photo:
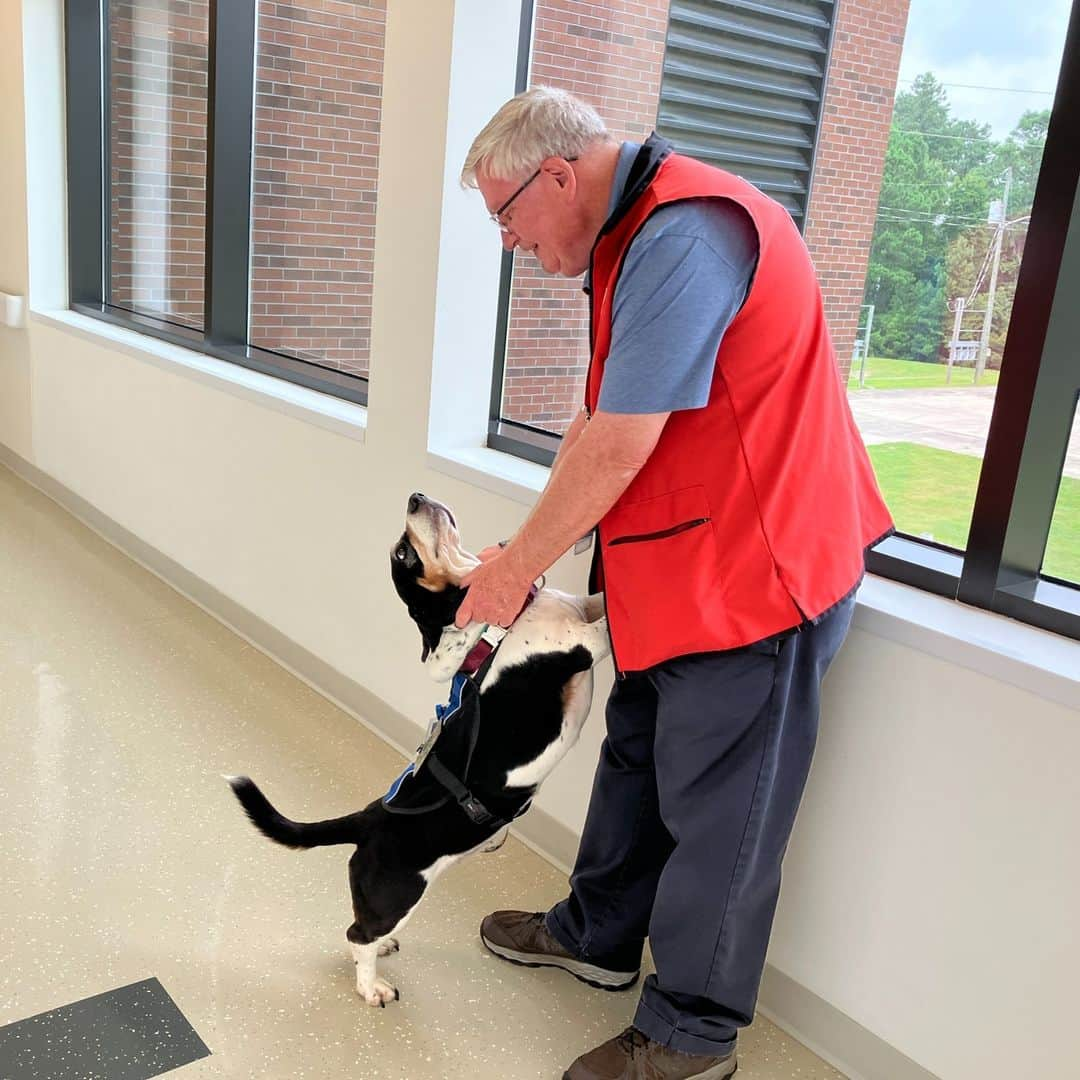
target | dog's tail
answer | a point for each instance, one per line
(292, 834)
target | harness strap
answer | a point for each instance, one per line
(477, 812)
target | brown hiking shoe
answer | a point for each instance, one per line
(634, 1056)
(522, 938)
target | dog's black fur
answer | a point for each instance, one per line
(522, 713)
(519, 716)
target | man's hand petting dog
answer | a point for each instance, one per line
(497, 589)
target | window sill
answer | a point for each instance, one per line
(492, 470)
(1001, 648)
(325, 411)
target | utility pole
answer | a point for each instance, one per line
(988, 316)
(954, 344)
(866, 344)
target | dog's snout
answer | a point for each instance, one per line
(415, 500)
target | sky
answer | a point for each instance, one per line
(1011, 45)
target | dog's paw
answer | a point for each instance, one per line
(378, 993)
(388, 945)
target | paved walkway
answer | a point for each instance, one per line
(948, 418)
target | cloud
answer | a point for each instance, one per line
(1011, 45)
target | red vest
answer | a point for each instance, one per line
(752, 515)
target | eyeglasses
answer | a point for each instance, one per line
(497, 216)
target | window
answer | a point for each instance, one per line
(949, 236)
(964, 385)
(222, 177)
(157, 158)
(738, 85)
(611, 55)
(317, 106)
(941, 190)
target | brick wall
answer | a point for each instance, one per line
(157, 142)
(612, 56)
(865, 61)
(319, 76)
(317, 114)
(318, 107)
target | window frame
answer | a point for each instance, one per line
(230, 112)
(1019, 480)
(522, 440)
(1000, 568)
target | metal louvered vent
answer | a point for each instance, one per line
(743, 86)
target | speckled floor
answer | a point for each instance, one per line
(125, 857)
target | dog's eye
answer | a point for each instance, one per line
(401, 553)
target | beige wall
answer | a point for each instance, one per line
(14, 274)
(933, 882)
(931, 890)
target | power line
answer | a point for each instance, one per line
(987, 259)
(927, 221)
(936, 135)
(966, 138)
(918, 217)
(927, 213)
(949, 184)
(1002, 89)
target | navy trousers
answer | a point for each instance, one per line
(695, 795)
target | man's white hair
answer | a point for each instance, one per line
(540, 123)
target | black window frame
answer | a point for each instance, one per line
(522, 440)
(1037, 397)
(1036, 400)
(230, 111)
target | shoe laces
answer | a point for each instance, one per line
(632, 1040)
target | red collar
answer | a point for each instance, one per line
(485, 647)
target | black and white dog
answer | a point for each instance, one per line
(487, 753)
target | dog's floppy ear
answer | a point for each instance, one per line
(438, 612)
(429, 634)
(432, 611)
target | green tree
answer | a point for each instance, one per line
(968, 252)
(1022, 152)
(936, 184)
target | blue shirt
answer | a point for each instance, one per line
(685, 277)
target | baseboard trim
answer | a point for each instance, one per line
(823, 1028)
(831, 1034)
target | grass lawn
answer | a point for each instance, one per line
(931, 493)
(885, 374)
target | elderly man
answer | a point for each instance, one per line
(733, 501)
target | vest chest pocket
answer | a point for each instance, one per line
(659, 518)
(663, 534)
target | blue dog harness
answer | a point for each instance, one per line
(446, 754)
(442, 713)
(454, 728)
(447, 750)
